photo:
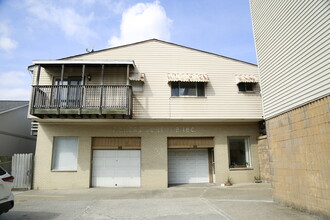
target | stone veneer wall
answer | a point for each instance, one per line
(299, 143)
(263, 152)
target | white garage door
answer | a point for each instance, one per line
(188, 166)
(116, 168)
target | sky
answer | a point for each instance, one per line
(53, 29)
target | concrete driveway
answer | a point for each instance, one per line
(204, 201)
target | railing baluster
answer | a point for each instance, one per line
(116, 97)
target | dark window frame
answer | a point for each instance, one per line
(179, 90)
(246, 87)
(70, 95)
(237, 160)
(70, 80)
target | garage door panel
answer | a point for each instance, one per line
(116, 168)
(104, 162)
(134, 154)
(104, 182)
(131, 162)
(188, 166)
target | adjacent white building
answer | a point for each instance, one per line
(293, 44)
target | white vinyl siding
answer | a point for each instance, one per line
(292, 41)
(65, 153)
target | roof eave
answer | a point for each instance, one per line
(161, 41)
(54, 62)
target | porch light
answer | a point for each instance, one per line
(89, 77)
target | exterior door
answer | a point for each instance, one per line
(69, 94)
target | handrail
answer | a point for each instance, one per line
(111, 97)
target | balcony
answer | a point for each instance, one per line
(82, 101)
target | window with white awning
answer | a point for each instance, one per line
(246, 83)
(187, 84)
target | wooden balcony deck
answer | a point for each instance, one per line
(81, 100)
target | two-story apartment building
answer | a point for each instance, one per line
(147, 114)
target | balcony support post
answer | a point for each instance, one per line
(58, 92)
(102, 83)
(127, 80)
(127, 90)
(62, 74)
(38, 75)
(34, 91)
(82, 88)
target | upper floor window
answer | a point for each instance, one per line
(246, 87)
(247, 83)
(188, 89)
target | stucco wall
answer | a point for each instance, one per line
(153, 150)
(300, 150)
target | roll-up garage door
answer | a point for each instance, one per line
(116, 162)
(189, 160)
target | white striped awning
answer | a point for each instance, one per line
(247, 79)
(187, 77)
(137, 77)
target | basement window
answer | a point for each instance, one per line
(239, 152)
(65, 154)
(188, 89)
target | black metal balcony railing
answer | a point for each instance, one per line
(78, 99)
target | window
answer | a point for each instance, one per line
(239, 152)
(137, 86)
(245, 87)
(188, 89)
(65, 153)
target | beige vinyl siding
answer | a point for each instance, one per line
(292, 41)
(156, 59)
(45, 78)
(112, 75)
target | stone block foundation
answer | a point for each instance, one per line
(299, 143)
